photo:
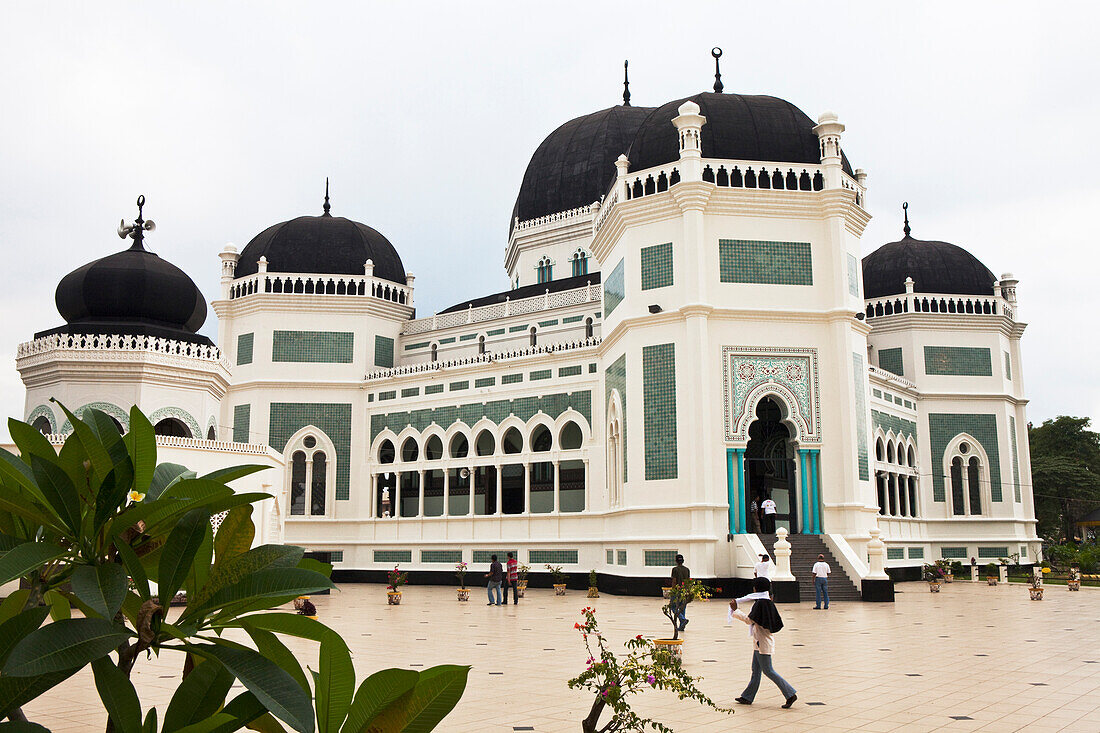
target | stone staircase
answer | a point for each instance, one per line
(804, 551)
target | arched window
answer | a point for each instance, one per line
(317, 495)
(889, 452)
(545, 270)
(173, 427)
(410, 451)
(386, 452)
(588, 328)
(512, 442)
(880, 451)
(42, 425)
(534, 337)
(571, 436)
(968, 479)
(481, 344)
(542, 439)
(901, 454)
(580, 263)
(211, 434)
(433, 449)
(912, 458)
(460, 446)
(435, 352)
(974, 475)
(958, 495)
(486, 443)
(298, 483)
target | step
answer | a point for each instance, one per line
(804, 552)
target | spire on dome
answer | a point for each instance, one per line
(136, 231)
(717, 54)
(905, 210)
(626, 83)
(326, 207)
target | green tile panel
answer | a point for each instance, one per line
(495, 410)
(889, 422)
(897, 400)
(410, 391)
(1015, 459)
(468, 337)
(916, 553)
(417, 345)
(953, 553)
(485, 556)
(511, 379)
(861, 417)
(539, 374)
(659, 411)
(1008, 366)
(485, 382)
(547, 324)
(455, 386)
(895, 553)
(854, 277)
(321, 347)
(334, 419)
(908, 405)
(943, 428)
(621, 557)
(887, 396)
(657, 266)
(765, 263)
(572, 319)
(614, 288)
(336, 556)
(383, 351)
(451, 557)
(517, 329)
(244, 348)
(615, 379)
(958, 361)
(433, 388)
(387, 395)
(569, 371)
(241, 423)
(495, 332)
(393, 556)
(994, 553)
(660, 558)
(448, 340)
(553, 557)
(592, 368)
(890, 360)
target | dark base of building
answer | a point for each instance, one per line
(785, 591)
(878, 591)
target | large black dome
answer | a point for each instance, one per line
(131, 292)
(936, 267)
(575, 164)
(322, 244)
(738, 127)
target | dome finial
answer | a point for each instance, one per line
(327, 207)
(626, 83)
(905, 210)
(717, 54)
(136, 231)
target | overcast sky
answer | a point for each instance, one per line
(228, 117)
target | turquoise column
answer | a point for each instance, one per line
(815, 491)
(804, 525)
(731, 491)
(742, 522)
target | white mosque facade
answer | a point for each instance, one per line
(689, 327)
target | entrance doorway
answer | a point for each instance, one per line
(769, 466)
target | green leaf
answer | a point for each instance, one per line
(18, 626)
(63, 645)
(436, 693)
(20, 726)
(97, 454)
(272, 686)
(114, 491)
(218, 722)
(335, 683)
(72, 458)
(309, 563)
(235, 534)
(141, 444)
(58, 605)
(291, 624)
(377, 693)
(18, 691)
(179, 552)
(19, 472)
(34, 513)
(107, 432)
(225, 475)
(134, 568)
(150, 722)
(199, 696)
(25, 558)
(267, 584)
(59, 491)
(102, 587)
(164, 476)
(14, 604)
(258, 558)
(118, 696)
(200, 566)
(271, 647)
(30, 442)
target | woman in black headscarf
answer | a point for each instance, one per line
(763, 621)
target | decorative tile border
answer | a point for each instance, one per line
(751, 372)
(179, 414)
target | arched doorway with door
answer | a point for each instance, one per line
(770, 467)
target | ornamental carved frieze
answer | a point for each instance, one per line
(750, 373)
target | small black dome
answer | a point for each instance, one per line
(323, 245)
(131, 292)
(936, 267)
(738, 127)
(575, 164)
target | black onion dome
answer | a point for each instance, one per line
(575, 164)
(131, 292)
(322, 245)
(738, 127)
(936, 267)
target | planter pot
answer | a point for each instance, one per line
(559, 589)
(991, 581)
(673, 647)
(1036, 593)
(934, 587)
(463, 594)
(521, 588)
(665, 592)
(1002, 570)
(393, 597)
(1073, 585)
(593, 592)
(949, 578)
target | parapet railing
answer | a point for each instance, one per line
(78, 342)
(577, 213)
(320, 284)
(486, 358)
(172, 441)
(890, 376)
(941, 304)
(590, 293)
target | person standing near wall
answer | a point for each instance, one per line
(680, 574)
(495, 576)
(513, 580)
(821, 572)
(769, 508)
(764, 568)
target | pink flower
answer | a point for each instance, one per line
(651, 680)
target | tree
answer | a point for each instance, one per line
(1065, 473)
(94, 527)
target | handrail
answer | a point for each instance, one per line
(590, 293)
(174, 441)
(280, 283)
(436, 366)
(120, 342)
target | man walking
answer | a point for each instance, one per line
(764, 568)
(769, 508)
(821, 572)
(495, 576)
(513, 580)
(680, 574)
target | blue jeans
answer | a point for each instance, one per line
(763, 663)
(821, 588)
(679, 610)
(494, 585)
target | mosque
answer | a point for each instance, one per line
(690, 327)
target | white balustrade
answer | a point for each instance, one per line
(433, 366)
(274, 283)
(78, 342)
(579, 212)
(172, 441)
(939, 304)
(591, 293)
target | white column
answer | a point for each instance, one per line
(500, 490)
(447, 492)
(876, 554)
(584, 500)
(557, 486)
(373, 492)
(309, 488)
(420, 494)
(527, 487)
(965, 473)
(782, 556)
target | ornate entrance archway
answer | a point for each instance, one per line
(770, 470)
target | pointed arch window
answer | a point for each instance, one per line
(579, 262)
(545, 270)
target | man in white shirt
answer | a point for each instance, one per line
(769, 515)
(821, 572)
(764, 568)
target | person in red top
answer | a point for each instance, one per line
(512, 581)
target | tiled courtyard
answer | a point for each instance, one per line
(970, 658)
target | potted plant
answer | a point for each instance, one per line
(665, 591)
(613, 681)
(393, 590)
(460, 573)
(946, 571)
(521, 584)
(991, 573)
(680, 595)
(1035, 585)
(593, 590)
(1073, 580)
(559, 579)
(933, 575)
